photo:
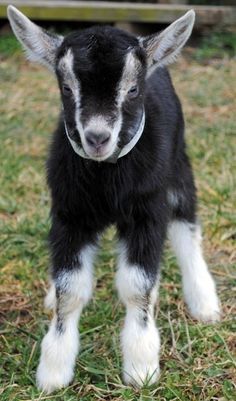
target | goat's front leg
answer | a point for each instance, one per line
(71, 289)
(137, 284)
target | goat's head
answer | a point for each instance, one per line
(101, 73)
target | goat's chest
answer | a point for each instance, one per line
(105, 191)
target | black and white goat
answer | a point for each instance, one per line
(117, 157)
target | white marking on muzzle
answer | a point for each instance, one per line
(124, 151)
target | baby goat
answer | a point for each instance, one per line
(117, 157)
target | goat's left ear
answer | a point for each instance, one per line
(163, 48)
(40, 45)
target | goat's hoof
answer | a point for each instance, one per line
(141, 376)
(49, 380)
(206, 312)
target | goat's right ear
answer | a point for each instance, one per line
(40, 45)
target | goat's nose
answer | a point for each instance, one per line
(97, 140)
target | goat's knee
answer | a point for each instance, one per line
(140, 337)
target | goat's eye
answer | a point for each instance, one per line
(66, 90)
(133, 92)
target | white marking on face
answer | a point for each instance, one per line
(65, 65)
(129, 77)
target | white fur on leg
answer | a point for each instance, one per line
(58, 355)
(139, 338)
(61, 344)
(140, 347)
(50, 299)
(198, 285)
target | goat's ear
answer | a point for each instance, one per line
(163, 48)
(40, 46)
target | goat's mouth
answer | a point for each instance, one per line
(100, 154)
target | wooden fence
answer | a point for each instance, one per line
(104, 11)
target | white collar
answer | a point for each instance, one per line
(126, 149)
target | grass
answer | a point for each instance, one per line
(197, 360)
(218, 44)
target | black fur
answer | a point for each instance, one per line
(88, 196)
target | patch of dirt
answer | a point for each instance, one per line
(13, 301)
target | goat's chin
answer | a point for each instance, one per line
(100, 156)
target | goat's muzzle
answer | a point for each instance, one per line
(97, 142)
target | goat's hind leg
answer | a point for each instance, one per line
(185, 236)
(71, 289)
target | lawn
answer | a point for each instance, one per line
(197, 360)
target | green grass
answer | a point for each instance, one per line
(197, 360)
(9, 45)
(216, 45)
